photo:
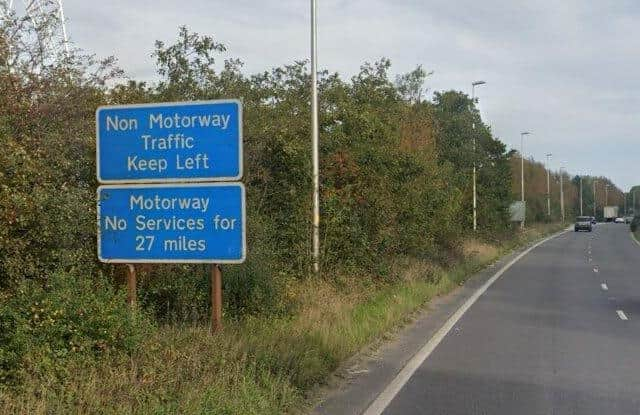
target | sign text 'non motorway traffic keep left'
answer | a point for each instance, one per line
(169, 142)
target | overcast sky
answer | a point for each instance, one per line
(567, 70)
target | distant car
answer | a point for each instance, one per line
(628, 219)
(583, 223)
(619, 220)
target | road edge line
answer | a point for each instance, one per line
(386, 396)
(633, 236)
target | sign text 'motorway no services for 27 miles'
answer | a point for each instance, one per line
(144, 214)
(199, 222)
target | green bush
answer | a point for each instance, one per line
(635, 224)
(69, 316)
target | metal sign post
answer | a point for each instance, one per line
(131, 286)
(216, 298)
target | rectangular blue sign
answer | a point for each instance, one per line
(169, 142)
(172, 223)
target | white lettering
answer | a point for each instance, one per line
(117, 124)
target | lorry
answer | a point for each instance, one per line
(610, 213)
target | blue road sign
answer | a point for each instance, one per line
(172, 223)
(169, 142)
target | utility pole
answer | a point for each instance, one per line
(580, 195)
(561, 194)
(548, 186)
(594, 198)
(473, 127)
(315, 139)
(522, 134)
(606, 195)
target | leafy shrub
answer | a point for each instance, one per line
(635, 224)
(70, 316)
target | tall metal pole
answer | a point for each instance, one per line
(580, 195)
(64, 29)
(595, 201)
(315, 139)
(634, 203)
(473, 127)
(561, 194)
(522, 134)
(548, 186)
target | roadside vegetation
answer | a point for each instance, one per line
(396, 197)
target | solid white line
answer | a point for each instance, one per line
(604, 286)
(622, 315)
(633, 236)
(392, 389)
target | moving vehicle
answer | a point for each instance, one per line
(610, 213)
(618, 220)
(583, 223)
(628, 219)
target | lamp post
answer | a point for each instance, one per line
(522, 134)
(473, 127)
(561, 194)
(548, 186)
(595, 202)
(580, 195)
(315, 139)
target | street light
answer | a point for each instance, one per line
(561, 194)
(522, 134)
(595, 202)
(473, 126)
(315, 139)
(548, 186)
(580, 195)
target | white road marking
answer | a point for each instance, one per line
(386, 396)
(622, 315)
(604, 287)
(634, 238)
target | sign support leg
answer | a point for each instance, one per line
(131, 285)
(216, 298)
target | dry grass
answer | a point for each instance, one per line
(482, 251)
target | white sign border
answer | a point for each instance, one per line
(175, 261)
(173, 180)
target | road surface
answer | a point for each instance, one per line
(558, 333)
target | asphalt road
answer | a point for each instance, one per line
(549, 337)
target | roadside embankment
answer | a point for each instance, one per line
(257, 365)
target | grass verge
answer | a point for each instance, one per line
(257, 366)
